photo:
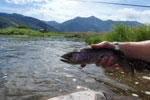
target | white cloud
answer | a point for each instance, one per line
(55, 10)
(62, 10)
(129, 14)
(23, 1)
(8, 1)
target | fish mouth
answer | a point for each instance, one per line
(65, 60)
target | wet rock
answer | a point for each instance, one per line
(82, 95)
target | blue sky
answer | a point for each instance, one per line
(62, 10)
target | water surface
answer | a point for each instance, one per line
(30, 69)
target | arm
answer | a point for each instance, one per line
(137, 50)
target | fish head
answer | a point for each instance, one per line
(74, 58)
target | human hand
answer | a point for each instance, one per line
(107, 62)
(104, 44)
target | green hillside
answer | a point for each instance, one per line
(15, 20)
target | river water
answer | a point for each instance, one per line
(30, 69)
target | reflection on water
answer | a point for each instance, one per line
(30, 69)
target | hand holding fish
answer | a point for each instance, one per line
(106, 61)
(107, 57)
(130, 56)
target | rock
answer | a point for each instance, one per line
(82, 95)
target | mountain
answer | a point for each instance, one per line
(89, 24)
(15, 20)
(52, 23)
(78, 24)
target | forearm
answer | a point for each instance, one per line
(138, 50)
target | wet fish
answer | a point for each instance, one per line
(92, 56)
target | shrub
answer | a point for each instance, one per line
(22, 27)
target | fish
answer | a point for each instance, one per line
(93, 55)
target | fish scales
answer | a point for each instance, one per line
(92, 56)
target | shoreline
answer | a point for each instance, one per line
(120, 33)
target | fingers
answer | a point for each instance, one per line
(115, 65)
(103, 61)
(105, 44)
(107, 62)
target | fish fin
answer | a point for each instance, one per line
(83, 65)
(132, 71)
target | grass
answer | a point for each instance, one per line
(123, 33)
(26, 32)
(120, 33)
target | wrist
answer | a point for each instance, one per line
(116, 46)
(124, 47)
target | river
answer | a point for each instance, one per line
(30, 69)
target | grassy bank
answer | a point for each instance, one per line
(118, 33)
(26, 32)
(123, 33)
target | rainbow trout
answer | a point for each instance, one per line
(93, 56)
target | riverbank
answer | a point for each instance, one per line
(118, 33)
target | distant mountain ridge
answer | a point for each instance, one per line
(89, 24)
(78, 24)
(15, 20)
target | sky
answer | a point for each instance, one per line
(62, 10)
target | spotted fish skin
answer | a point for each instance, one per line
(92, 56)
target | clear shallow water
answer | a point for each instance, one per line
(30, 69)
